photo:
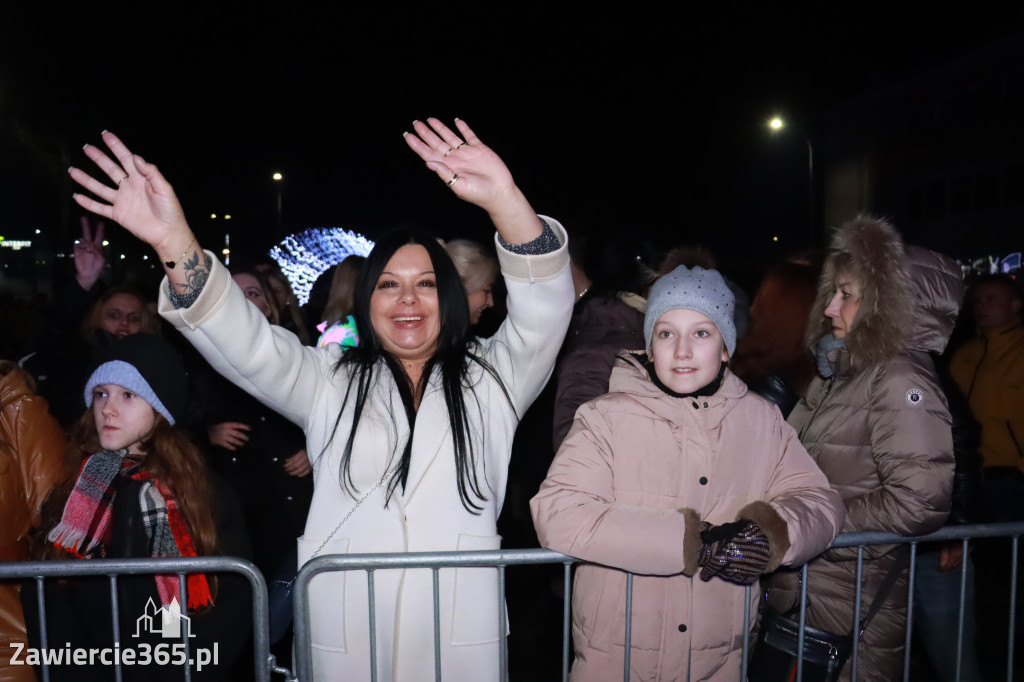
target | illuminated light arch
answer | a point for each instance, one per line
(305, 255)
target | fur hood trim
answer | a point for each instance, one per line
(872, 251)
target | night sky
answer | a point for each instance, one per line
(637, 117)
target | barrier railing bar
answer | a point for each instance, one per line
(44, 640)
(566, 619)
(910, 613)
(115, 618)
(437, 625)
(502, 634)
(856, 613)
(746, 631)
(183, 604)
(629, 626)
(372, 601)
(964, 560)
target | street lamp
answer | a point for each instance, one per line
(776, 124)
(277, 180)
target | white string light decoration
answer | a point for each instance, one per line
(306, 255)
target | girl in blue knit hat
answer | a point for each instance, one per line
(144, 491)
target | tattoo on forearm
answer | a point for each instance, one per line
(196, 274)
(183, 295)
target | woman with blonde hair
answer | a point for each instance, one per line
(478, 269)
(877, 423)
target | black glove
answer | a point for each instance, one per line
(737, 552)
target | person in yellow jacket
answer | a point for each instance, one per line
(990, 371)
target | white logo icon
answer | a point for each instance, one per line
(165, 621)
(915, 397)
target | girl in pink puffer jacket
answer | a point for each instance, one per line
(678, 470)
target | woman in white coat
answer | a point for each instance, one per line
(410, 433)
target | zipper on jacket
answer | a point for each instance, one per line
(828, 389)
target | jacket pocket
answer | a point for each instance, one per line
(475, 601)
(326, 597)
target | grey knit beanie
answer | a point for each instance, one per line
(693, 289)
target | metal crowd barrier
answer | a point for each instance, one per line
(114, 568)
(501, 559)
(265, 663)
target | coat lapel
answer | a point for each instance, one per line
(433, 433)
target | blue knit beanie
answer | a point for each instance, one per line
(148, 366)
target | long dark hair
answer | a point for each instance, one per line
(453, 358)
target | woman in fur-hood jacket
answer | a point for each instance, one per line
(877, 423)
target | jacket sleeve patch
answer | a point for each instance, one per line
(915, 397)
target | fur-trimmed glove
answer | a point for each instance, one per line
(737, 552)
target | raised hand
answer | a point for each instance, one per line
(140, 200)
(475, 173)
(89, 259)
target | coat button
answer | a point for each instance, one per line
(703, 480)
(682, 627)
(273, 459)
(695, 405)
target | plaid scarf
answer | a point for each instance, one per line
(86, 527)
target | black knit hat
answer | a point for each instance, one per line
(150, 367)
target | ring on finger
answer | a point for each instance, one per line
(122, 180)
(454, 178)
(461, 145)
(450, 150)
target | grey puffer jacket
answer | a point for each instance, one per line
(879, 428)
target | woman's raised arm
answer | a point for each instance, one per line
(144, 203)
(476, 174)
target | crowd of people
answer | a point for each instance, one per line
(630, 407)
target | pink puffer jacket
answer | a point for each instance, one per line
(629, 488)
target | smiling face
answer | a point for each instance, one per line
(479, 301)
(687, 350)
(123, 418)
(842, 308)
(122, 315)
(404, 309)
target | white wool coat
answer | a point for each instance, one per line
(427, 516)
